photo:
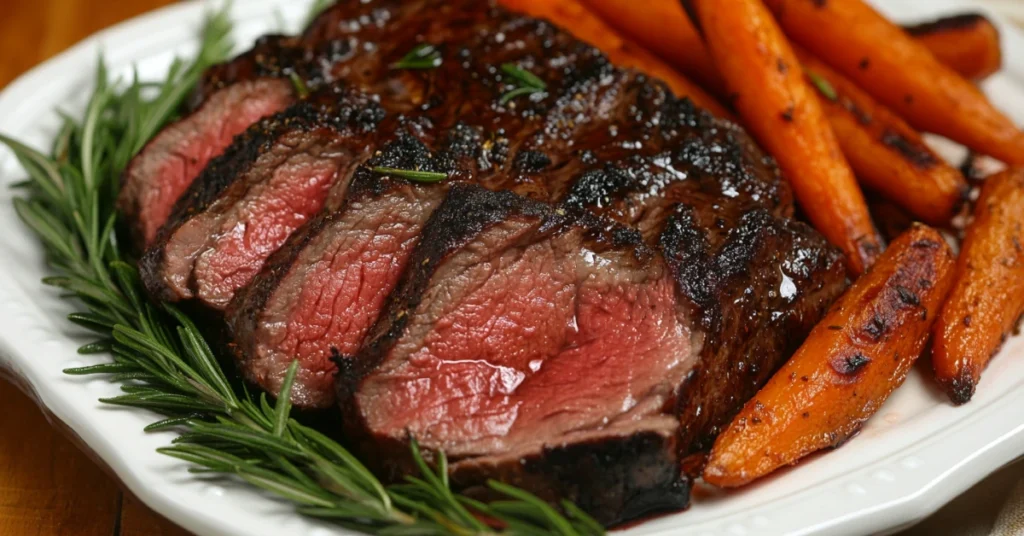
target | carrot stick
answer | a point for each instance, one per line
(884, 151)
(662, 27)
(900, 72)
(848, 366)
(585, 26)
(988, 297)
(968, 43)
(783, 112)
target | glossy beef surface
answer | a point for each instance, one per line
(276, 176)
(322, 295)
(521, 327)
(604, 277)
(167, 165)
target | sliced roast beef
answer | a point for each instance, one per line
(319, 294)
(582, 343)
(304, 305)
(518, 334)
(166, 166)
(247, 202)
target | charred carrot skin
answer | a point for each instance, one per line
(783, 112)
(967, 43)
(900, 72)
(988, 297)
(886, 153)
(575, 18)
(848, 366)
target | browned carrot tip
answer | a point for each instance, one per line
(988, 297)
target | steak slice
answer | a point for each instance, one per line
(323, 291)
(319, 294)
(167, 165)
(520, 341)
(247, 202)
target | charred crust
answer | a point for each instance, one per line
(531, 161)
(876, 327)
(964, 21)
(907, 296)
(686, 246)
(961, 388)
(850, 365)
(862, 116)
(915, 153)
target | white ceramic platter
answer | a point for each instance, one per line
(915, 455)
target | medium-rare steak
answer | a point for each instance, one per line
(520, 333)
(234, 95)
(319, 294)
(166, 166)
(247, 202)
(610, 275)
(323, 291)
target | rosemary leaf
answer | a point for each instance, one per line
(299, 85)
(414, 175)
(823, 86)
(527, 83)
(422, 56)
(284, 400)
(526, 78)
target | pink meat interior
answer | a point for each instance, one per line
(172, 160)
(334, 293)
(530, 344)
(221, 249)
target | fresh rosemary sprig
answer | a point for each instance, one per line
(528, 83)
(422, 56)
(414, 175)
(163, 363)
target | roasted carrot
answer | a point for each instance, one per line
(988, 297)
(968, 43)
(848, 366)
(587, 27)
(900, 72)
(662, 27)
(783, 112)
(884, 151)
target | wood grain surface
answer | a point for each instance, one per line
(48, 487)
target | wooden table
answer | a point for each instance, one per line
(47, 485)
